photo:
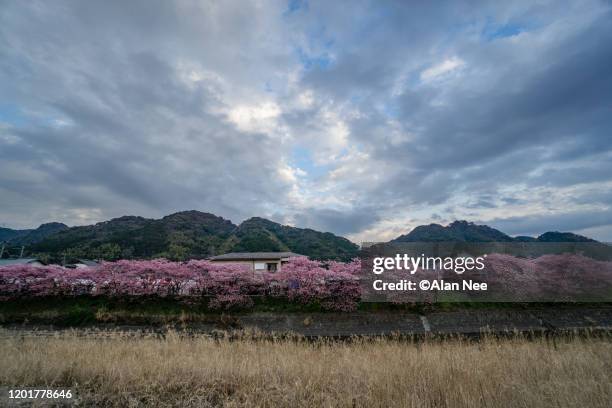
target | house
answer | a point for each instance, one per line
(259, 261)
(82, 263)
(22, 261)
(87, 263)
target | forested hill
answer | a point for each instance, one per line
(195, 234)
(464, 231)
(188, 234)
(30, 236)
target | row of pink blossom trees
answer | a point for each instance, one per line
(332, 285)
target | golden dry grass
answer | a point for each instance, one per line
(199, 371)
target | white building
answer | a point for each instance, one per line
(259, 261)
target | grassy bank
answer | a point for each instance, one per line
(84, 311)
(198, 371)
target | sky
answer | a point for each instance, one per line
(362, 118)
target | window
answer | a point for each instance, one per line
(260, 266)
(271, 267)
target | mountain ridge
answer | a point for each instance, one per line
(29, 236)
(465, 231)
(197, 234)
(188, 234)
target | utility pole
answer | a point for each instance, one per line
(21, 254)
(2, 250)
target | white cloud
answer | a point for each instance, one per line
(441, 69)
(259, 117)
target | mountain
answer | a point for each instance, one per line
(195, 234)
(7, 234)
(259, 234)
(30, 236)
(177, 236)
(524, 238)
(464, 231)
(563, 237)
(40, 233)
(189, 234)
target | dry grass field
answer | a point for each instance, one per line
(200, 371)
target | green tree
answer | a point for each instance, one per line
(177, 252)
(109, 251)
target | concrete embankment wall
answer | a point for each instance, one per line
(386, 323)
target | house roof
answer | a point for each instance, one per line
(246, 256)
(87, 262)
(18, 261)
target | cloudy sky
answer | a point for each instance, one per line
(361, 118)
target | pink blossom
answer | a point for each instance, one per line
(334, 285)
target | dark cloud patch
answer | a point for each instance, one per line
(114, 128)
(510, 119)
(340, 222)
(446, 111)
(537, 224)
